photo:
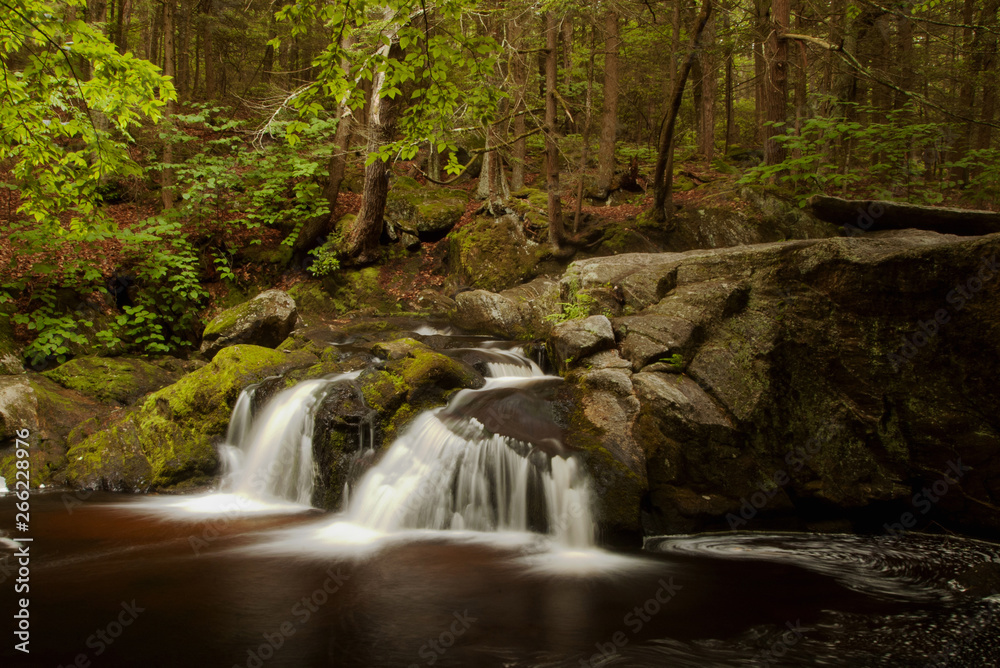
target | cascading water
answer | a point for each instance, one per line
(275, 460)
(447, 471)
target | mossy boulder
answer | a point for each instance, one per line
(119, 380)
(423, 211)
(493, 253)
(311, 301)
(265, 320)
(359, 290)
(168, 440)
(53, 416)
(531, 204)
(414, 374)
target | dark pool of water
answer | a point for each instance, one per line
(114, 587)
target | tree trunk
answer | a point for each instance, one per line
(208, 48)
(267, 66)
(362, 241)
(567, 52)
(776, 82)
(707, 85)
(586, 130)
(167, 173)
(609, 111)
(520, 72)
(663, 177)
(729, 86)
(316, 228)
(183, 64)
(551, 150)
(493, 185)
(119, 35)
(984, 137)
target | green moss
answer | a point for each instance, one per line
(416, 208)
(120, 380)
(402, 417)
(493, 254)
(357, 290)
(383, 391)
(169, 438)
(311, 299)
(280, 255)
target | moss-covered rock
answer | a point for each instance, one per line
(169, 439)
(371, 411)
(359, 290)
(311, 301)
(493, 254)
(423, 211)
(111, 379)
(265, 320)
(416, 375)
(51, 414)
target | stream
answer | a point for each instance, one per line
(462, 545)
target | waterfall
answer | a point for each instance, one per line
(447, 471)
(270, 457)
(3, 485)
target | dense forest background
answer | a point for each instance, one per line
(161, 158)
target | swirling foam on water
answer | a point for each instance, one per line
(905, 567)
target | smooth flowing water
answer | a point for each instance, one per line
(470, 542)
(209, 593)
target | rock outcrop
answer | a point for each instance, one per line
(55, 417)
(803, 384)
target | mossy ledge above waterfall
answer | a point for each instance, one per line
(169, 439)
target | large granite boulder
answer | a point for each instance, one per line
(805, 384)
(266, 320)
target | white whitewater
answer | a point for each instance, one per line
(277, 452)
(267, 459)
(458, 476)
(3, 485)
